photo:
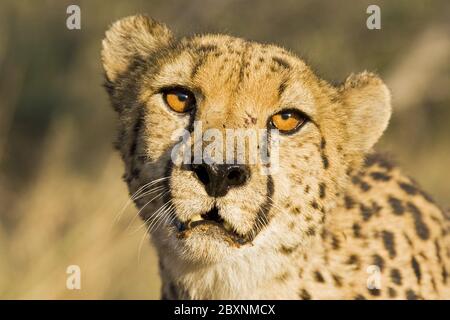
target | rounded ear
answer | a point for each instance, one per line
(129, 38)
(367, 106)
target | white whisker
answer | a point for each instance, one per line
(160, 195)
(134, 196)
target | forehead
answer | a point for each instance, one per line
(231, 71)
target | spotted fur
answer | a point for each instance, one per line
(333, 209)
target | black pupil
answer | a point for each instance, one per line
(285, 116)
(182, 96)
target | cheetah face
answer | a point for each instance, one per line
(175, 97)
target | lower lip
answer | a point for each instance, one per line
(182, 230)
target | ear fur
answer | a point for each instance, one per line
(367, 103)
(130, 37)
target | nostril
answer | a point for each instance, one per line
(202, 173)
(236, 176)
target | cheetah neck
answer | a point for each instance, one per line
(256, 274)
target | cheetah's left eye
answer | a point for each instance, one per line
(288, 121)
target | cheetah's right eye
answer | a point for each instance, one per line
(179, 99)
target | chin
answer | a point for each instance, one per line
(204, 238)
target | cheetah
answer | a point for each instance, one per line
(335, 221)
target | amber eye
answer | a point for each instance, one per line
(179, 100)
(288, 121)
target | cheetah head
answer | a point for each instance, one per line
(166, 90)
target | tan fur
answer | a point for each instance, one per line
(334, 207)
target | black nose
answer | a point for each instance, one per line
(218, 179)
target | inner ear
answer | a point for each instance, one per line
(367, 106)
(130, 37)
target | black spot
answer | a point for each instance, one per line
(375, 158)
(323, 143)
(207, 48)
(360, 297)
(392, 293)
(318, 276)
(408, 239)
(438, 251)
(311, 231)
(335, 243)
(282, 87)
(307, 189)
(296, 210)
(349, 202)
(396, 205)
(376, 208)
(378, 261)
(325, 161)
(366, 212)
(305, 294)
(411, 295)
(197, 65)
(444, 274)
(408, 188)
(356, 230)
(365, 186)
(396, 276)
(322, 188)
(389, 244)
(281, 62)
(421, 228)
(362, 184)
(282, 277)
(416, 267)
(374, 292)
(353, 259)
(380, 176)
(337, 280)
(287, 250)
(314, 205)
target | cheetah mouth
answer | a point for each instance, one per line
(212, 224)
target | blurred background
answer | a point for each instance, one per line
(60, 181)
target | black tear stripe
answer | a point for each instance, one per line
(166, 182)
(263, 212)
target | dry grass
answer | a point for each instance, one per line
(68, 219)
